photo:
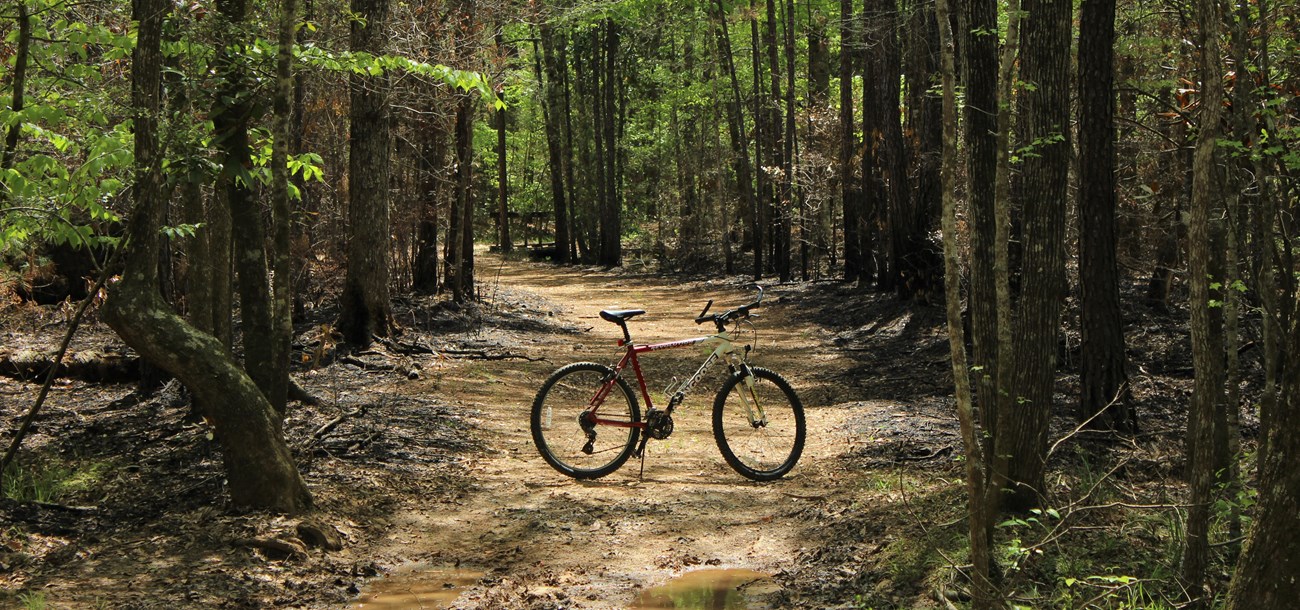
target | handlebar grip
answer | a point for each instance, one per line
(700, 319)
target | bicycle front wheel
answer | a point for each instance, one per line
(758, 423)
(564, 423)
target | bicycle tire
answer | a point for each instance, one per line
(759, 452)
(556, 429)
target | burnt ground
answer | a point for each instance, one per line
(418, 455)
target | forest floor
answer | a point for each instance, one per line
(423, 463)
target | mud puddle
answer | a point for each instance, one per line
(422, 587)
(723, 589)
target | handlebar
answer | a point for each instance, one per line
(721, 319)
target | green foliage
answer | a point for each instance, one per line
(51, 481)
(1110, 591)
(1031, 150)
(314, 56)
(74, 150)
(33, 600)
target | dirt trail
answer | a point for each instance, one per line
(543, 537)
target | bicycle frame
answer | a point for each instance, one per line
(726, 350)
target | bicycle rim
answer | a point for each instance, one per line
(767, 446)
(558, 432)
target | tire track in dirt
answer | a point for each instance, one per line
(544, 538)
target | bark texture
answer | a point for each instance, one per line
(1207, 352)
(1104, 396)
(1044, 133)
(365, 309)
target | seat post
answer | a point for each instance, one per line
(627, 337)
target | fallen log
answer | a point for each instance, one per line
(88, 365)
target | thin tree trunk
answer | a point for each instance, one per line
(792, 199)
(873, 198)
(762, 184)
(850, 192)
(907, 241)
(231, 113)
(461, 229)
(281, 265)
(1167, 212)
(503, 191)
(740, 164)
(569, 181)
(985, 593)
(19, 84)
(921, 261)
(611, 228)
(1207, 348)
(433, 161)
(553, 111)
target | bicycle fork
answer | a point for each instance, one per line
(749, 398)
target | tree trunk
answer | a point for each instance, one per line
(1044, 127)
(503, 192)
(220, 245)
(364, 303)
(259, 468)
(19, 83)
(740, 165)
(461, 230)
(814, 202)
(303, 232)
(979, 122)
(232, 111)
(762, 183)
(1104, 398)
(1265, 571)
(555, 148)
(908, 251)
(850, 191)
(611, 227)
(925, 144)
(979, 510)
(1207, 347)
(281, 265)
(791, 200)
(873, 199)
(1167, 214)
(1265, 576)
(567, 153)
(433, 162)
(819, 59)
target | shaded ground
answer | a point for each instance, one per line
(419, 455)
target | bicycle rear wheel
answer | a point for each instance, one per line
(561, 419)
(767, 444)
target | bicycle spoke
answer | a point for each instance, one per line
(760, 443)
(563, 417)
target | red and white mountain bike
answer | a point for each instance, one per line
(586, 420)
